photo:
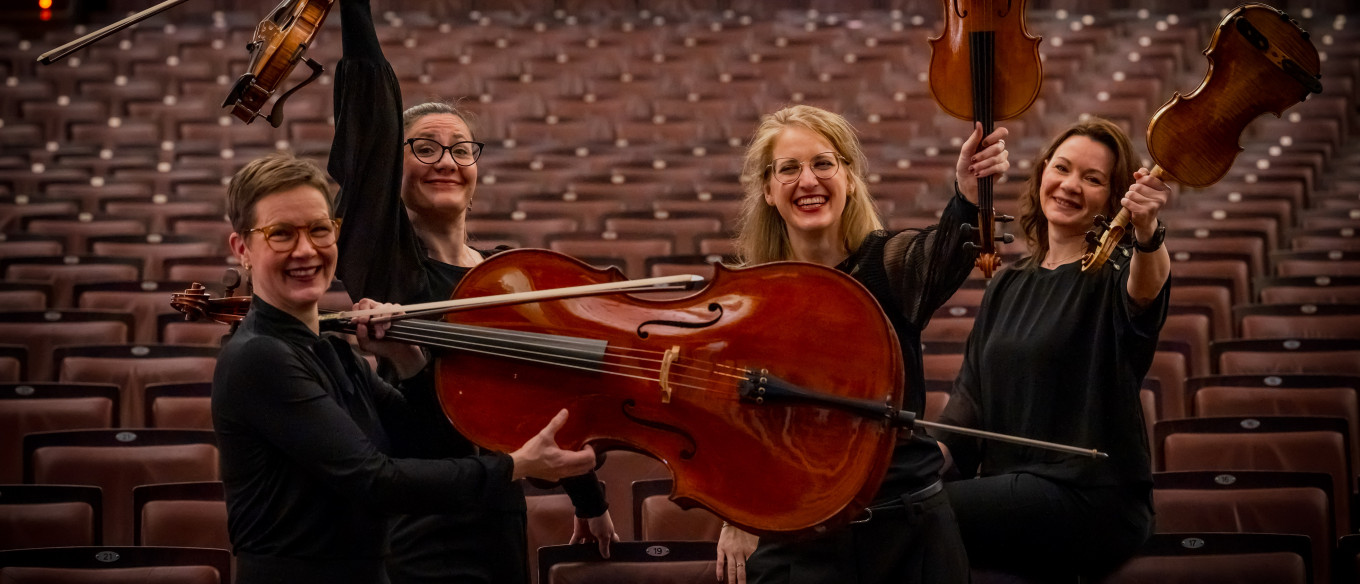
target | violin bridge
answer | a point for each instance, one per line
(669, 357)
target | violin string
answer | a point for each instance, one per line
(654, 356)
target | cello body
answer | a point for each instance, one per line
(666, 383)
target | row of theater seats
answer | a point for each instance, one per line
(607, 126)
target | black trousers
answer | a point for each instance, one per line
(477, 547)
(1049, 531)
(917, 542)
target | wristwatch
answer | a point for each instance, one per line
(1158, 237)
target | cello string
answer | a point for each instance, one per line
(439, 327)
(462, 342)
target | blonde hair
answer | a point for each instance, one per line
(269, 174)
(1103, 131)
(415, 112)
(762, 235)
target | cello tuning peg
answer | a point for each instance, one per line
(970, 245)
(967, 230)
(1004, 218)
(1006, 238)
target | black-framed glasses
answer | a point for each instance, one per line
(283, 237)
(823, 165)
(431, 151)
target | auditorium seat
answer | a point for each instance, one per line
(116, 565)
(63, 273)
(1170, 366)
(145, 300)
(623, 467)
(1298, 321)
(533, 231)
(93, 195)
(1297, 503)
(1211, 293)
(179, 405)
(1284, 443)
(1219, 558)
(159, 210)
(1309, 289)
(1190, 325)
(175, 330)
(132, 368)
(942, 360)
(190, 514)
(654, 562)
(951, 323)
(204, 270)
(13, 209)
(118, 461)
(1342, 239)
(1264, 356)
(25, 295)
(656, 517)
(1316, 263)
(30, 407)
(550, 519)
(33, 516)
(1347, 559)
(41, 331)
(12, 361)
(685, 227)
(632, 249)
(1219, 265)
(1280, 395)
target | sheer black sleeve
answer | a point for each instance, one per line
(925, 267)
(380, 255)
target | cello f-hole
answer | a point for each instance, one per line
(959, 11)
(713, 307)
(685, 453)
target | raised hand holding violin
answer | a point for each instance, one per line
(280, 43)
(1259, 61)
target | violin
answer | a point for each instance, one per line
(738, 405)
(1259, 61)
(985, 67)
(279, 44)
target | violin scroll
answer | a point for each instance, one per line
(1100, 248)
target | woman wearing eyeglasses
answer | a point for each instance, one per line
(304, 426)
(407, 182)
(807, 200)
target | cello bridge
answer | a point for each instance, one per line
(667, 359)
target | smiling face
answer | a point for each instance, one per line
(442, 188)
(291, 281)
(811, 207)
(1075, 185)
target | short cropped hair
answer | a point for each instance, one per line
(265, 176)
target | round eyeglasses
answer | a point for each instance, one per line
(431, 151)
(788, 170)
(283, 237)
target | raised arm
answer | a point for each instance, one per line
(380, 255)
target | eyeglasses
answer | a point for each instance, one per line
(788, 170)
(283, 238)
(431, 151)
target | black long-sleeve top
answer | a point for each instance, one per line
(911, 274)
(381, 257)
(1058, 355)
(299, 421)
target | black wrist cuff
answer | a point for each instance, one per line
(1158, 236)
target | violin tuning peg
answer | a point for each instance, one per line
(1092, 238)
(970, 245)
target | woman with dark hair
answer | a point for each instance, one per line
(1059, 354)
(807, 200)
(407, 182)
(303, 424)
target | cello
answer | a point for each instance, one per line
(985, 67)
(1259, 61)
(704, 383)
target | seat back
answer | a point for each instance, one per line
(49, 516)
(1278, 356)
(116, 565)
(26, 408)
(1298, 321)
(63, 273)
(132, 367)
(656, 517)
(179, 405)
(1219, 558)
(622, 467)
(12, 361)
(653, 562)
(145, 300)
(42, 331)
(1281, 443)
(118, 461)
(180, 514)
(550, 520)
(1249, 502)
